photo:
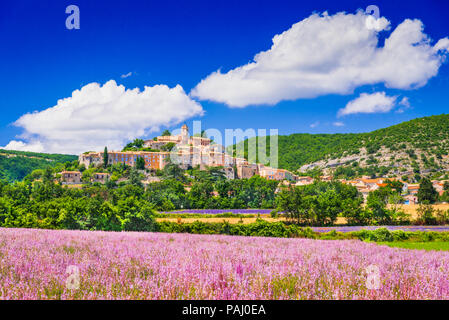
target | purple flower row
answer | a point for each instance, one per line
(390, 228)
(220, 211)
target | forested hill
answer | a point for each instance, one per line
(420, 144)
(15, 165)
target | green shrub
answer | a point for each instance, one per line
(426, 215)
(400, 235)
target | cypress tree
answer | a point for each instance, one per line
(105, 157)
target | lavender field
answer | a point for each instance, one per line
(219, 211)
(390, 228)
(43, 264)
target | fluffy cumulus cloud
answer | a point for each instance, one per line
(34, 146)
(325, 54)
(97, 116)
(377, 102)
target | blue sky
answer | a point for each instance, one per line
(182, 42)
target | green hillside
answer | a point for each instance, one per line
(420, 143)
(15, 165)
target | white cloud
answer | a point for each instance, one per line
(377, 102)
(126, 75)
(404, 102)
(325, 54)
(315, 124)
(34, 146)
(96, 116)
(405, 105)
(338, 124)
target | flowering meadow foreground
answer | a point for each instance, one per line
(119, 265)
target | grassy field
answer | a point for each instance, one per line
(434, 245)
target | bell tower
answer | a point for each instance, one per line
(184, 134)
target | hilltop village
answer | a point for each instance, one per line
(195, 151)
(191, 151)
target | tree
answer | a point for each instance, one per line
(319, 203)
(395, 185)
(135, 145)
(48, 175)
(36, 174)
(377, 204)
(417, 177)
(168, 147)
(135, 178)
(105, 157)
(166, 133)
(87, 175)
(173, 171)
(67, 165)
(138, 143)
(446, 186)
(289, 202)
(427, 193)
(426, 214)
(201, 194)
(139, 220)
(344, 172)
(140, 163)
(216, 173)
(110, 184)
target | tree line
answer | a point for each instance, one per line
(39, 202)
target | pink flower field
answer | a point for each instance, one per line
(40, 264)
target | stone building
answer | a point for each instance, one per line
(70, 177)
(100, 177)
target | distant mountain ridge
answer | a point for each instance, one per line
(15, 165)
(413, 147)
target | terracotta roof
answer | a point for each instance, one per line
(377, 180)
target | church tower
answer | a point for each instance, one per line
(184, 134)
